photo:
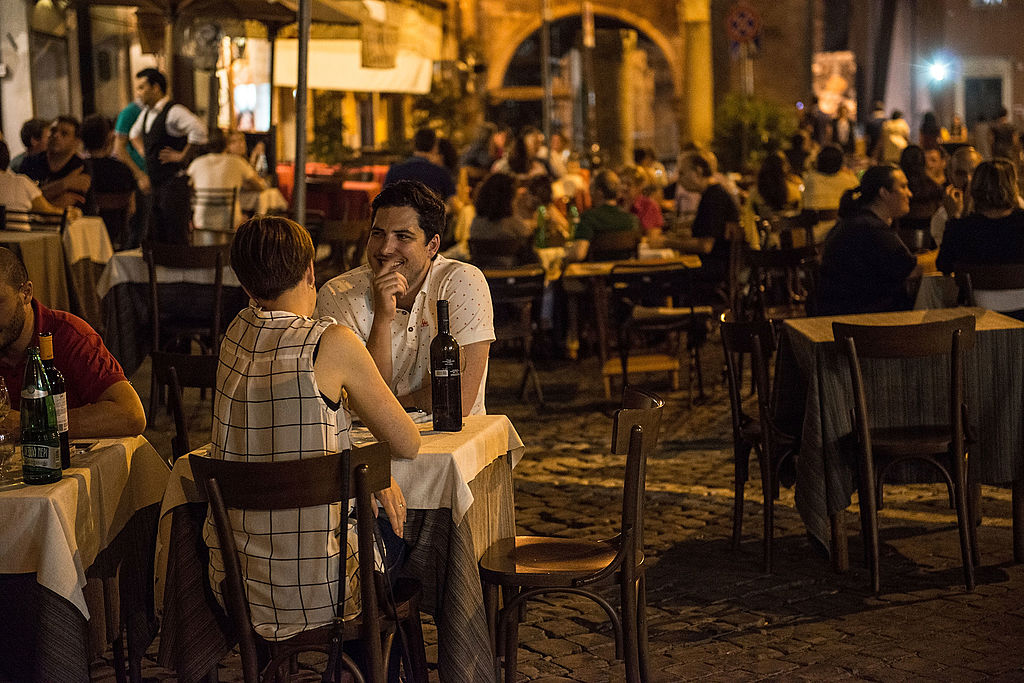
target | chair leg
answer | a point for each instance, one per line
(491, 610)
(869, 521)
(117, 649)
(768, 492)
(641, 628)
(741, 456)
(414, 654)
(511, 645)
(628, 591)
(964, 522)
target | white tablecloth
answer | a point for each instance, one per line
(130, 266)
(56, 530)
(87, 239)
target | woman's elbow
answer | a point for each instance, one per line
(408, 447)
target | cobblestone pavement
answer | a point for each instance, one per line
(713, 615)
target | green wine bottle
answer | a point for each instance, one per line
(60, 396)
(40, 444)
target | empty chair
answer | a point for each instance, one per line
(770, 443)
(303, 483)
(513, 295)
(501, 253)
(177, 371)
(940, 445)
(646, 299)
(526, 567)
(781, 282)
(995, 286)
(198, 321)
(215, 215)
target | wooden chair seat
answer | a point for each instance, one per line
(544, 561)
(914, 440)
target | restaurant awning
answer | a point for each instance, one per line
(337, 65)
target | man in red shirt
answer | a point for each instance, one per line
(101, 401)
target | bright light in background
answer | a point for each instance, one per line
(938, 71)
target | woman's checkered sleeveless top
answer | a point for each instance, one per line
(268, 407)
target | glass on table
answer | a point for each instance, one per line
(6, 454)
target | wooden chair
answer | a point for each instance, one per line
(989, 285)
(303, 483)
(942, 446)
(616, 245)
(115, 208)
(178, 370)
(770, 443)
(501, 253)
(346, 222)
(215, 215)
(526, 567)
(781, 282)
(653, 299)
(513, 294)
(204, 324)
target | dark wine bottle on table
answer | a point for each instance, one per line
(445, 375)
(60, 396)
(40, 445)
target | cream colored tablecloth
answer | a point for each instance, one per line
(130, 266)
(87, 239)
(56, 530)
(43, 256)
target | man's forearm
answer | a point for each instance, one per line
(103, 419)
(379, 346)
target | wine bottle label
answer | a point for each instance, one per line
(34, 392)
(445, 372)
(41, 455)
(60, 402)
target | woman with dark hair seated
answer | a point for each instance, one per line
(496, 224)
(865, 264)
(994, 231)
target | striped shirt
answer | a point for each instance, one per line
(268, 407)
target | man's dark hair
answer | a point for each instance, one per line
(698, 162)
(424, 140)
(71, 121)
(494, 196)
(5, 156)
(12, 270)
(270, 254)
(95, 132)
(606, 183)
(217, 141)
(154, 77)
(830, 159)
(33, 130)
(429, 207)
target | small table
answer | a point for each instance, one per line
(459, 496)
(813, 383)
(124, 291)
(55, 535)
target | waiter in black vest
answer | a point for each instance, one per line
(164, 134)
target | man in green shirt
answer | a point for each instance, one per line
(606, 232)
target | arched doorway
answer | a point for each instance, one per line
(646, 115)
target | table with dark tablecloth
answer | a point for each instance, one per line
(814, 386)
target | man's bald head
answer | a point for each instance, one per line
(12, 270)
(962, 165)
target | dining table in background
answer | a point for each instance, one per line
(76, 556)
(460, 500)
(814, 390)
(123, 289)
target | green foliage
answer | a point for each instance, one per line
(439, 108)
(328, 143)
(749, 128)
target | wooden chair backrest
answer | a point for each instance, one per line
(507, 253)
(758, 339)
(179, 370)
(294, 484)
(614, 245)
(986, 277)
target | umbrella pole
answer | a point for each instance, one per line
(301, 105)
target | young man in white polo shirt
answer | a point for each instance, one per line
(391, 303)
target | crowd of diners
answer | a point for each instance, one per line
(297, 364)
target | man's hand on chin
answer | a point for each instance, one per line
(388, 285)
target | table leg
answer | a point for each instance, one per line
(601, 303)
(1018, 521)
(839, 550)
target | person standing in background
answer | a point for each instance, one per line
(165, 133)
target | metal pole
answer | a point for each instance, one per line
(589, 42)
(301, 101)
(545, 65)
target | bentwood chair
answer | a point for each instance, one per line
(115, 208)
(514, 292)
(215, 215)
(651, 300)
(782, 281)
(177, 371)
(771, 444)
(526, 567)
(302, 483)
(201, 320)
(995, 286)
(940, 445)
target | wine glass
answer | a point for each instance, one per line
(5, 401)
